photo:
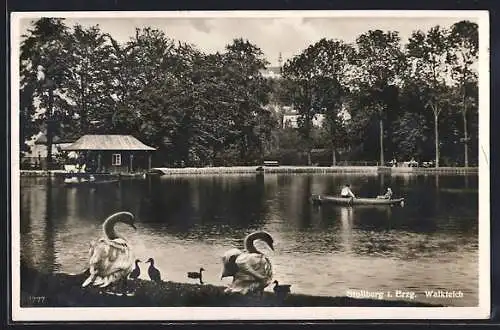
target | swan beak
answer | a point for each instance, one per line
(133, 226)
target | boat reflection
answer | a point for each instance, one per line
(346, 221)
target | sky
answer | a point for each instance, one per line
(285, 35)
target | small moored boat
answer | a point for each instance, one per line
(319, 199)
(89, 181)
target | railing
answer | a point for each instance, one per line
(271, 163)
(357, 163)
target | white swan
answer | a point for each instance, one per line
(111, 258)
(251, 270)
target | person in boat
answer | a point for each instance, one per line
(346, 192)
(394, 162)
(388, 194)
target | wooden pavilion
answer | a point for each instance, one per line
(112, 153)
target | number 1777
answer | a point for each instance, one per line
(37, 300)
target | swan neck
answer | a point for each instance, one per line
(249, 243)
(109, 228)
(109, 225)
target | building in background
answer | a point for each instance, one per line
(113, 153)
(272, 72)
(37, 156)
(291, 118)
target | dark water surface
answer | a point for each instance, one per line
(185, 222)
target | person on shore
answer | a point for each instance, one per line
(346, 192)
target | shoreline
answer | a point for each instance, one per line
(367, 170)
(64, 290)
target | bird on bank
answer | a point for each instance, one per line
(111, 258)
(281, 290)
(137, 270)
(197, 275)
(154, 274)
(251, 269)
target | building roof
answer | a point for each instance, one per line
(272, 71)
(108, 142)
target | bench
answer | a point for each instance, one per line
(271, 163)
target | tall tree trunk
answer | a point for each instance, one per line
(214, 155)
(83, 112)
(308, 138)
(464, 114)
(436, 136)
(261, 150)
(466, 137)
(334, 149)
(381, 126)
(50, 127)
(244, 149)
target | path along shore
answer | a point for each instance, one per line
(369, 170)
(63, 290)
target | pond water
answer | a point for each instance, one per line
(188, 222)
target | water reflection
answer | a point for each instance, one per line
(38, 226)
(188, 222)
(346, 220)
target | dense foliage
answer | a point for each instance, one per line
(381, 98)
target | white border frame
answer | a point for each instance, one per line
(482, 311)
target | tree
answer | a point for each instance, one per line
(380, 64)
(91, 79)
(43, 72)
(278, 105)
(410, 134)
(464, 44)
(28, 123)
(150, 91)
(243, 64)
(413, 126)
(429, 56)
(333, 65)
(315, 84)
(300, 88)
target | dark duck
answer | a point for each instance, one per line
(197, 275)
(154, 274)
(134, 275)
(281, 290)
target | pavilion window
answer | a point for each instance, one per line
(116, 160)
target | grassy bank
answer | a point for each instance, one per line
(314, 169)
(62, 290)
(62, 173)
(264, 169)
(373, 170)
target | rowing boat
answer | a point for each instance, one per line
(356, 201)
(72, 183)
